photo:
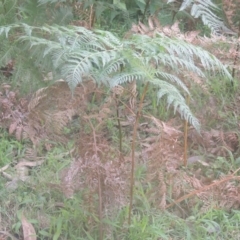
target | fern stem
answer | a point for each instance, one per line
(133, 151)
(92, 16)
(186, 136)
(119, 127)
(100, 205)
(99, 183)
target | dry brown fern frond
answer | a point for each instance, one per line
(97, 171)
(56, 121)
(45, 114)
(216, 142)
(104, 172)
(133, 94)
(173, 185)
(164, 153)
(37, 97)
(7, 70)
(150, 30)
(52, 108)
(83, 12)
(223, 47)
(221, 193)
(231, 9)
(168, 182)
(70, 178)
(13, 111)
(165, 148)
(85, 15)
(154, 26)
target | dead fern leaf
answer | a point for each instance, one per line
(231, 9)
(12, 127)
(28, 229)
(37, 97)
(133, 94)
(68, 178)
(216, 142)
(19, 131)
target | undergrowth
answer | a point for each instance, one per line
(60, 194)
(69, 158)
(56, 217)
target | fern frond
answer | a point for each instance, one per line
(125, 77)
(6, 52)
(78, 53)
(172, 78)
(83, 62)
(204, 9)
(175, 99)
(177, 53)
(63, 16)
(109, 69)
(114, 66)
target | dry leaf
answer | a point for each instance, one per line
(28, 230)
(4, 168)
(29, 164)
(13, 127)
(7, 234)
(194, 159)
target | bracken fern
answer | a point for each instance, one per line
(207, 11)
(78, 54)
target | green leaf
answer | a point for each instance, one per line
(120, 5)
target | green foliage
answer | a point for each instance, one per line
(27, 74)
(206, 11)
(77, 54)
(37, 13)
(10, 149)
(71, 220)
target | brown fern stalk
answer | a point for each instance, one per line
(92, 16)
(100, 205)
(119, 127)
(186, 136)
(132, 178)
(100, 215)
